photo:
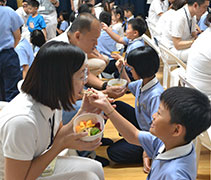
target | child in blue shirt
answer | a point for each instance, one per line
(144, 63)
(64, 19)
(35, 21)
(136, 28)
(183, 114)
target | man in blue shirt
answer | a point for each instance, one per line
(10, 74)
(183, 114)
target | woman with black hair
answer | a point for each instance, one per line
(31, 128)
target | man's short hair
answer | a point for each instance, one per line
(199, 2)
(144, 60)
(105, 17)
(50, 78)
(138, 24)
(33, 3)
(177, 4)
(82, 23)
(188, 107)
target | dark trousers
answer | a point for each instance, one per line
(10, 74)
(121, 151)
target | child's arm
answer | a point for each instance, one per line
(119, 64)
(59, 31)
(112, 34)
(125, 128)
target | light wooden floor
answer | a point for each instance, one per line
(135, 171)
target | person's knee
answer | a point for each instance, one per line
(113, 153)
(96, 168)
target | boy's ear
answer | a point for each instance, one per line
(136, 33)
(179, 130)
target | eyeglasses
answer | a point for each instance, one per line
(85, 74)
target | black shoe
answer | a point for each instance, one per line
(106, 142)
(102, 160)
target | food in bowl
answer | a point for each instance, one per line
(117, 82)
(88, 126)
(91, 123)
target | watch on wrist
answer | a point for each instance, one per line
(104, 85)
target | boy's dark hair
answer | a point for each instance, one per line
(144, 60)
(82, 23)
(105, 17)
(177, 4)
(72, 16)
(65, 15)
(85, 8)
(37, 38)
(118, 10)
(138, 24)
(199, 2)
(50, 78)
(188, 107)
(129, 8)
(33, 3)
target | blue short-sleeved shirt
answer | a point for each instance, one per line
(10, 21)
(178, 163)
(147, 100)
(64, 25)
(201, 22)
(36, 23)
(133, 44)
(105, 44)
(25, 53)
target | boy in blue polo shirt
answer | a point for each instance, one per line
(144, 63)
(183, 114)
(35, 21)
(136, 28)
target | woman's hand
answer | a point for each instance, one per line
(86, 107)
(66, 138)
(115, 91)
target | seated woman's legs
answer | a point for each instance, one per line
(71, 167)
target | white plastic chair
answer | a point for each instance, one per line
(152, 29)
(151, 43)
(171, 62)
(205, 137)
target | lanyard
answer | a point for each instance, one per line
(189, 23)
(51, 121)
